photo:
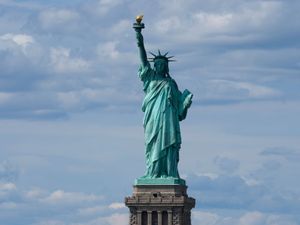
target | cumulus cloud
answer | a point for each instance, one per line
(234, 192)
(7, 186)
(60, 196)
(20, 39)
(35, 193)
(62, 62)
(8, 195)
(51, 222)
(27, 5)
(292, 155)
(232, 53)
(113, 219)
(116, 205)
(67, 208)
(206, 218)
(108, 49)
(76, 56)
(217, 22)
(245, 218)
(217, 91)
(52, 17)
(100, 97)
(252, 218)
(227, 165)
(95, 210)
(15, 47)
(102, 7)
(118, 219)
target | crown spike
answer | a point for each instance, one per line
(152, 54)
(160, 56)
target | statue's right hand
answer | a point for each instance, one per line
(137, 29)
(139, 37)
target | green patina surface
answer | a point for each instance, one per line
(164, 106)
(159, 181)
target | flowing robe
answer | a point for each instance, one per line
(163, 106)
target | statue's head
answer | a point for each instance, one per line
(161, 63)
(161, 66)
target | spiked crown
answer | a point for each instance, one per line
(160, 56)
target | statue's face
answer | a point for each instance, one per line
(161, 66)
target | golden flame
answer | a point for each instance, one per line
(139, 18)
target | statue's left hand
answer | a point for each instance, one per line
(189, 104)
(188, 101)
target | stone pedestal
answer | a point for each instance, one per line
(160, 205)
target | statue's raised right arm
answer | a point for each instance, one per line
(140, 43)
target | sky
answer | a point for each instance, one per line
(71, 135)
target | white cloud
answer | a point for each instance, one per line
(82, 99)
(246, 218)
(121, 27)
(252, 218)
(256, 91)
(102, 7)
(231, 192)
(292, 155)
(69, 99)
(203, 34)
(26, 5)
(250, 181)
(113, 219)
(17, 43)
(118, 219)
(63, 62)
(169, 24)
(209, 175)
(7, 192)
(280, 220)
(20, 39)
(95, 210)
(109, 53)
(50, 222)
(226, 165)
(57, 17)
(35, 193)
(117, 205)
(7, 186)
(62, 197)
(211, 21)
(204, 218)
(226, 89)
(21, 50)
(108, 49)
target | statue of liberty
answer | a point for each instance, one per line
(163, 106)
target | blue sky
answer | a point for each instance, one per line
(71, 136)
